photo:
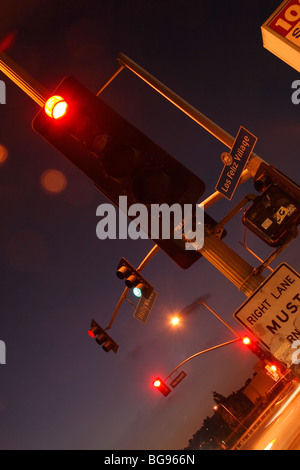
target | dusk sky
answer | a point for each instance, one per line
(59, 389)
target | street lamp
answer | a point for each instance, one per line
(216, 407)
(176, 319)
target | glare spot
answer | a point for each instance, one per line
(53, 181)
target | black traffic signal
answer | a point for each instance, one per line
(267, 174)
(133, 278)
(102, 338)
(273, 215)
(161, 386)
(255, 348)
(117, 157)
(262, 353)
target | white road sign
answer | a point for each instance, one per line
(272, 313)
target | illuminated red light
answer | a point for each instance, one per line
(56, 107)
(91, 333)
(157, 383)
(246, 340)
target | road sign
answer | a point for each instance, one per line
(144, 307)
(272, 313)
(240, 153)
(178, 379)
(281, 33)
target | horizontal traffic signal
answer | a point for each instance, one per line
(118, 158)
(133, 279)
(102, 338)
(161, 386)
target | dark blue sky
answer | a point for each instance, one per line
(59, 390)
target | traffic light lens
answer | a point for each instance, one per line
(157, 383)
(131, 281)
(137, 292)
(56, 107)
(91, 333)
(246, 340)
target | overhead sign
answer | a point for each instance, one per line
(144, 307)
(240, 153)
(272, 312)
(281, 33)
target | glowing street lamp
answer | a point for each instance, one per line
(175, 320)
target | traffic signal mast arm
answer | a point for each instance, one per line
(23, 79)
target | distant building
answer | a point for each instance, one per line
(260, 384)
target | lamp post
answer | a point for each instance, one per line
(216, 407)
(175, 320)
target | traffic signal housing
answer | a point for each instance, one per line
(160, 385)
(117, 157)
(255, 348)
(261, 353)
(275, 214)
(133, 278)
(102, 338)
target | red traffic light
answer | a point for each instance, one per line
(102, 338)
(119, 159)
(56, 107)
(246, 340)
(161, 386)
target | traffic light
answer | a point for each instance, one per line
(133, 279)
(255, 348)
(117, 157)
(161, 386)
(274, 214)
(262, 354)
(102, 338)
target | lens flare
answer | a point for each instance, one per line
(53, 181)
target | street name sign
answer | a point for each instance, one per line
(178, 379)
(240, 153)
(144, 307)
(272, 313)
